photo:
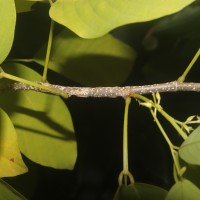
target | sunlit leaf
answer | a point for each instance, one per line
(9, 193)
(189, 150)
(94, 18)
(140, 191)
(43, 123)
(183, 190)
(103, 61)
(11, 163)
(7, 27)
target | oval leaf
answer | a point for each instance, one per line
(140, 191)
(7, 24)
(11, 163)
(43, 123)
(128, 192)
(189, 150)
(149, 192)
(103, 61)
(183, 190)
(94, 18)
(8, 192)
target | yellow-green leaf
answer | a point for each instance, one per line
(104, 61)
(11, 163)
(189, 150)
(9, 193)
(94, 18)
(140, 191)
(183, 190)
(42, 121)
(7, 27)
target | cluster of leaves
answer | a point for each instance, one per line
(40, 125)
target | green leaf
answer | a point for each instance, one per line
(11, 163)
(103, 61)
(23, 6)
(127, 193)
(192, 172)
(149, 192)
(9, 193)
(140, 191)
(7, 27)
(94, 18)
(45, 1)
(43, 123)
(26, 5)
(183, 190)
(189, 150)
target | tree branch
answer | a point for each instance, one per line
(110, 92)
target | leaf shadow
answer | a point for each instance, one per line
(64, 133)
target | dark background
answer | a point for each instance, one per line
(164, 49)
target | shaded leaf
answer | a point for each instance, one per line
(47, 1)
(94, 18)
(189, 150)
(23, 6)
(140, 191)
(7, 24)
(103, 61)
(11, 163)
(192, 172)
(127, 193)
(186, 18)
(43, 123)
(9, 193)
(183, 190)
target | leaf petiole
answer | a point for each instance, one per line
(44, 76)
(172, 147)
(158, 107)
(185, 73)
(125, 176)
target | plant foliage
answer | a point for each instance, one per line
(7, 24)
(80, 49)
(94, 18)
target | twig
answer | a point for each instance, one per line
(111, 92)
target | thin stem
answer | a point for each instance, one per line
(171, 146)
(44, 76)
(20, 60)
(143, 98)
(161, 129)
(175, 174)
(173, 123)
(170, 119)
(125, 176)
(31, 84)
(122, 176)
(185, 73)
(125, 136)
